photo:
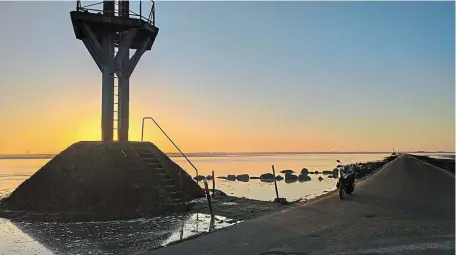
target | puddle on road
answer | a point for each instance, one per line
(113, 237)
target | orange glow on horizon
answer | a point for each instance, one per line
(65, 130)
(61, 123)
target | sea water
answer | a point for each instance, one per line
(127, 237)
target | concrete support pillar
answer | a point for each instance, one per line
(124, 83)
(108, 8)
(107, 90)
(107, 87)
(124, 8)
(124, 108)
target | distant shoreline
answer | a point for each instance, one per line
(220, 154)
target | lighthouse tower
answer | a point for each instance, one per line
(109, 30)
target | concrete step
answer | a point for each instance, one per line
(177, 201)
(151, 160)
(171, 189)
(143, 150)
(155, 165)
(146, 155)
(174, 193)
(163, 176)
(168, 182)
(159, 171)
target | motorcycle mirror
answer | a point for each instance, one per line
(338, 161)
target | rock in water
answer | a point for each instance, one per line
(219, 193)
(290, 181)
(288, 171)
(304, 171)
(199, 178)
(335, 173)
(304, 178)
(104, 181)
(231, 177)
(290, 178)
(327, 172)
(279, 178)
(243, 178)
(267, 176)
(320, 178)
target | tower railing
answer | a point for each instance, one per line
(98, 8)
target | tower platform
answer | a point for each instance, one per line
(101, 24)
(98, 181)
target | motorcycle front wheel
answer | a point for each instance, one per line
(342, 191)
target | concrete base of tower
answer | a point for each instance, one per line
(99, 181)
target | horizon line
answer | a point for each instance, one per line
(256, 152)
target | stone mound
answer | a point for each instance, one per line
(103, 181)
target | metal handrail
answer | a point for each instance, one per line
(142, 139)
(149, 19)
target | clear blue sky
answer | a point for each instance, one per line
(243, 76)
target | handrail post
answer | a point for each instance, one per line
(142, 129)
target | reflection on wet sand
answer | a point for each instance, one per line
(116, 237)
(199, 223)
(102, 237)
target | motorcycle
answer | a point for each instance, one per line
(346, 182)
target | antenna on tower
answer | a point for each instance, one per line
(109, 30)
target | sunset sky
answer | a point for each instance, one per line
(242, 76)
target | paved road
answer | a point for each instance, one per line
(405, 208)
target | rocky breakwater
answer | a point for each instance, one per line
(364, 169)
(447, 164)
(290, 176)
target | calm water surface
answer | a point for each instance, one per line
(13, 172)
(126, 237)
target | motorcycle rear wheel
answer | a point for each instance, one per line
(350, 190)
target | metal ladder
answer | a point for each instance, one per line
(116, 102)
(116, 107)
